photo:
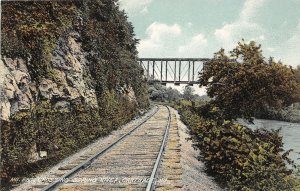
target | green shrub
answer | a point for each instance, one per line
(285, 114)
(59, 133)
(240, 159)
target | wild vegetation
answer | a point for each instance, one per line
(31, 29)
(289, 114)
(239, 158)
(160, 93)
(241, 84)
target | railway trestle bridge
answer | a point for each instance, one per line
(173, 70)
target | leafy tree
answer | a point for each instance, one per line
(157, 92)
(161, 93)
(173, 94)
(297, 73)
(188, 93)
(244, 82)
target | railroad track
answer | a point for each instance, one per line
(131, 162)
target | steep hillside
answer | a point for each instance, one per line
(68, 74)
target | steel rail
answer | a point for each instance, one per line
(152, 180)
(88, 162)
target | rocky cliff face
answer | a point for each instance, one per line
(65, 84)
(68, 75)
(18, 91)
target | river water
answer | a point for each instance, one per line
(290, 133)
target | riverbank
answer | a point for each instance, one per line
(289, 131)
(290, 114)
(238, 157)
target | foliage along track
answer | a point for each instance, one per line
(130, 163)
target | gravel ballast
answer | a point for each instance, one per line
(194, 177)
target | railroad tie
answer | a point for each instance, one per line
(170, 173)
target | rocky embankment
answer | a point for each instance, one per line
(68, 75)
(64, 85)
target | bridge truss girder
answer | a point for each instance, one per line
(173, 70)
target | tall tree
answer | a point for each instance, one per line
(244, 82)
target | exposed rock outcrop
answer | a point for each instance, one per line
(64, 84)
(68, 75)
(69, 72)
(18, 91)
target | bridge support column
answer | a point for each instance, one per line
(161, 71)
(148, 68)
(193, 71)
(175, 73)
(153, 71)
(189, 72)
(166, 71)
